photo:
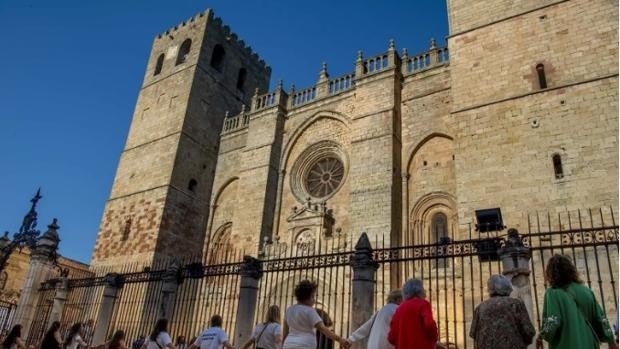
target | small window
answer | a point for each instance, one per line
(217, 58)
(159, 65)
(184, 52)
(126, 229)
(241, 78)
(191, 186)
(557, 166)
(542, 79)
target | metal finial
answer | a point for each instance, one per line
(242, 108)
(391, 44)
(226, 114)
(280, 84)
(36, 198)
(359, 55)
(256, 91)
(324, 67)
(404, 52)
(433, 43)
(292, 89)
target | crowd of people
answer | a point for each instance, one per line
(572, 319)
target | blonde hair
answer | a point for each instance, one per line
(273, 314)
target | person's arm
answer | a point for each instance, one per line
(600, 320)
(227, 345)
(430, 326)
(551, 316)
(277, 334)
(247, 344)
(473, 329)
(364, 330)
(20, 343)
(320, 326)
(80, 341)
(393, 332)
(524, 325)
(284, 331)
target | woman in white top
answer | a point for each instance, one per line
(159, 338)
(377, 327)
(74, 338)
(267, 335)
(301, 320)
(14, 339)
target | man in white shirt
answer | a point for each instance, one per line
(213, 337)
(377, 327)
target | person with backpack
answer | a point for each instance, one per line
(377, 327)
(572, 318)
(74, 337)
(14, 339)
(52, 338)
(159, 338)
(213, 337)
(267, 335)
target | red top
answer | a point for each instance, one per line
(413, 326)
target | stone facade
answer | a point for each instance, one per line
(14, 275)
(406, 147)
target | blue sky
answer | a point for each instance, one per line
(70, 72)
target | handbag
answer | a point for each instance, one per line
(583, 316)
(261, 333)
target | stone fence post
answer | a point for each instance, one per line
(515, 258)
(60, 297)
(113, 283)
(171, 280)
(42, 266)
(364, 273)
(251, 272)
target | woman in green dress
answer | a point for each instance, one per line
(572, 319)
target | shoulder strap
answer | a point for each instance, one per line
(266, 324)
(583, 316)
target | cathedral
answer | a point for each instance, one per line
(517, 113)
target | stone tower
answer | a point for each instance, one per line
(159, 201)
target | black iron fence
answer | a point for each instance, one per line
(454, 271)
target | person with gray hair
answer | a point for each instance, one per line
(376, 328)
(412, 324)
(501, 322)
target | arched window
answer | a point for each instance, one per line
(217, 58)
(184, 52)
(439, 226)
(191, 186)
(126, 229)
(542, 79)
(220, 245)
(439, 233)
(557, 166)
(241, 78)
(159, 65)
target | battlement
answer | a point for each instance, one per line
(326, 87)
(213, 22)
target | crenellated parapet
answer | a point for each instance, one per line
(216, 23)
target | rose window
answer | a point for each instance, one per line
(324, 177)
